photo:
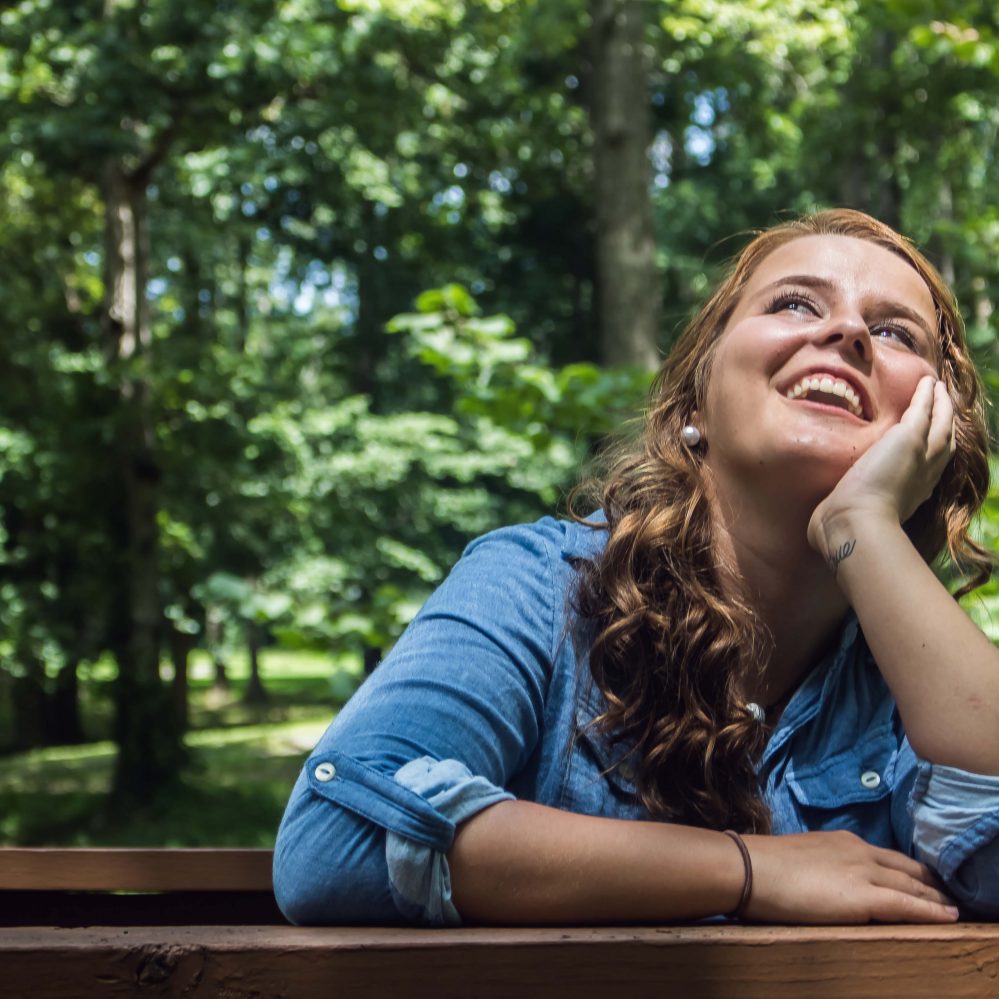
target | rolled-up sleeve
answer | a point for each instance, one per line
(955, 817)
(432, 737)
(418, 872)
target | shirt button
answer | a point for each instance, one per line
(627, 771)
(870, 779)
(326, 771)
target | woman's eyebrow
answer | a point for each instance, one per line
(885, 308)
(808, 280)
(900, 311)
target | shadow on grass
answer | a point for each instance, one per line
(190, 816)
(232, 794)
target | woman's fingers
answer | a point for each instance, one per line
(889, 906)
(906, 865)
(919, 414)
(911, 881)
(940, 436)
(835, 877)
(931, 416)
(906, 884)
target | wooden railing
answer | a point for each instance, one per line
(202, 923)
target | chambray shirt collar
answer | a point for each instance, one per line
(816, 691)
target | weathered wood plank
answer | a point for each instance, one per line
(82, 869)
(958, 962)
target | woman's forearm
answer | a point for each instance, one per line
(519, 862)
(941, 669)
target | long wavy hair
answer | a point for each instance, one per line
(672, 647)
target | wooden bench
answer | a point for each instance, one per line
(202, 923)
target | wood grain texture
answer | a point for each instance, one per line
(118, 869)
(710, 962)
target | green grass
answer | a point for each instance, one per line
(243, 762)
(297, 683)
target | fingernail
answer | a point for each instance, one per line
(952, 911)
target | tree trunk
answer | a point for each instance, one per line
(628, 294)
(369, 342)
(28, 701)
(242, 292)
(181, 644)
(945, 259)
(63, 717)
(214, 629)
(149, 745)
(220, 678)
(372, 657)
(255, 692)
(889, 195)
(983, 307)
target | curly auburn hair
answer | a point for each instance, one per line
(672, 648)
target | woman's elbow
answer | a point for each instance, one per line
(975, 884)
(329, 866)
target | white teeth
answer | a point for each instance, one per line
(829, 386)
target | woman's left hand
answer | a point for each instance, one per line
(898, 473)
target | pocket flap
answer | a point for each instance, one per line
(864, 773)
(611, 756)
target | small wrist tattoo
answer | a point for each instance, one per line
(844, 551)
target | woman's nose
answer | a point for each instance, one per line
(849, 333)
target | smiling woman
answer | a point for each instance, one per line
(821, 311)
(737, 688)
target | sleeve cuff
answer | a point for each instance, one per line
(419, 876)
(955, 815)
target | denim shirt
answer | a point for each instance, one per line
(488, 697)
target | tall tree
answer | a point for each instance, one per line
(146, 726)
(628, 293)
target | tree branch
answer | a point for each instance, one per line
(156, 155)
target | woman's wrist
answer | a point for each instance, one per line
(840, 534)
(747, 885)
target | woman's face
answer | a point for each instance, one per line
(820, 357)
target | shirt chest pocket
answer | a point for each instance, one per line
(850, 790)
(598, 779)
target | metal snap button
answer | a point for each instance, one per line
(870, 779)
(325, 772)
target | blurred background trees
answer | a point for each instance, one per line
(300, 295)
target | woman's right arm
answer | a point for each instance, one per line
(519, 862)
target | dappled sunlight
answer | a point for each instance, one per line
(396, 289)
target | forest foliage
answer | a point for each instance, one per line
(298, 296)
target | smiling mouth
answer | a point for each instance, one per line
(829, 391)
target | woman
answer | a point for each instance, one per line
(748, 639)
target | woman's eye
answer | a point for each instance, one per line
(793, 302)
(889, 331)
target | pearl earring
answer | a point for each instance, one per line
(691, 435)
